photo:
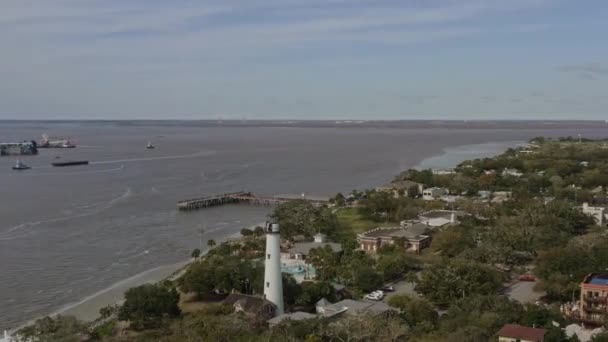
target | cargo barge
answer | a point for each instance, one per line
(70, 163)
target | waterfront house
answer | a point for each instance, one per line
(443, 172)
(405, 187)
(432, 194)
(413, 236)
(519, 333)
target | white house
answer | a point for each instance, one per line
(440, 218)
(432, 194)
(442, 172)
(512, 172)
(597, 212)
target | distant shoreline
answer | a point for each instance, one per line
(338, 123)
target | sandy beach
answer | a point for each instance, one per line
(87, 309)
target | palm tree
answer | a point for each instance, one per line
(196, 253)
(211, 243)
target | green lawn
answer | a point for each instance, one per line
(350, 219)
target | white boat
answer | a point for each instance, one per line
(150, 146)
(20, 166)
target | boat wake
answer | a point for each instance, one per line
(91, 209)
(120, 168)
(130, 160)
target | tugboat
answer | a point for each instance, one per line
(150, 146)
(20, 166)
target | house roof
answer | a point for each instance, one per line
(294, 316)
(322, 302)
(357, 307)
(523, 333)
(447, 214)
(412, 232)
(248, 303)
(305, 247)
(597, 279)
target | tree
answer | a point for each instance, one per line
(325, 261)
(196, 253)
(394, 264)
(301, 217)
(246, 232)
(449, 281)
(222, 273)
(145, 306)
(258, 231)
(211, 243)
(312, 292)
(339, 200)
(59, 328)
(417, 312)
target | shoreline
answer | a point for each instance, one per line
(87, 309)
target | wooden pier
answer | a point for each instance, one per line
(237, 198)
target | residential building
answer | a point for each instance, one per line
(301, 250)
(441, 218)
(252, 306)
(501, 196)
(594, 299)
(484, 194)
(519, 333)
(512, 172)
(293, 316)
(449, 198)
(412, 236)
(432, 194)
(596, 212)
(441, 172)
(350, 307)
(406, 187)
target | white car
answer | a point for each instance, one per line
(373, 296)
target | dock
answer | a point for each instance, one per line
(238, 198)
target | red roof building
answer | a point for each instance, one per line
(518, 333)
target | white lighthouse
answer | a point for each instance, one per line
(273, 283)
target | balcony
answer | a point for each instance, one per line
(599, 309)
(595, 299)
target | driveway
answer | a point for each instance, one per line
(523, 292)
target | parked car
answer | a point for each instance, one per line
(373, 296)
(388, 289)
(527, 277)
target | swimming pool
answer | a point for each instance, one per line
(299, 271)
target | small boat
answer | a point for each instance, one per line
(20, 166)
(150, 146)
(70, 163)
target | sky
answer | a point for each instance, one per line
(304, 59)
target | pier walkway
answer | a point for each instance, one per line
(237, 198)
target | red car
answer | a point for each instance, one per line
(527, 277)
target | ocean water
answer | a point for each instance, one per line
(67, 233)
